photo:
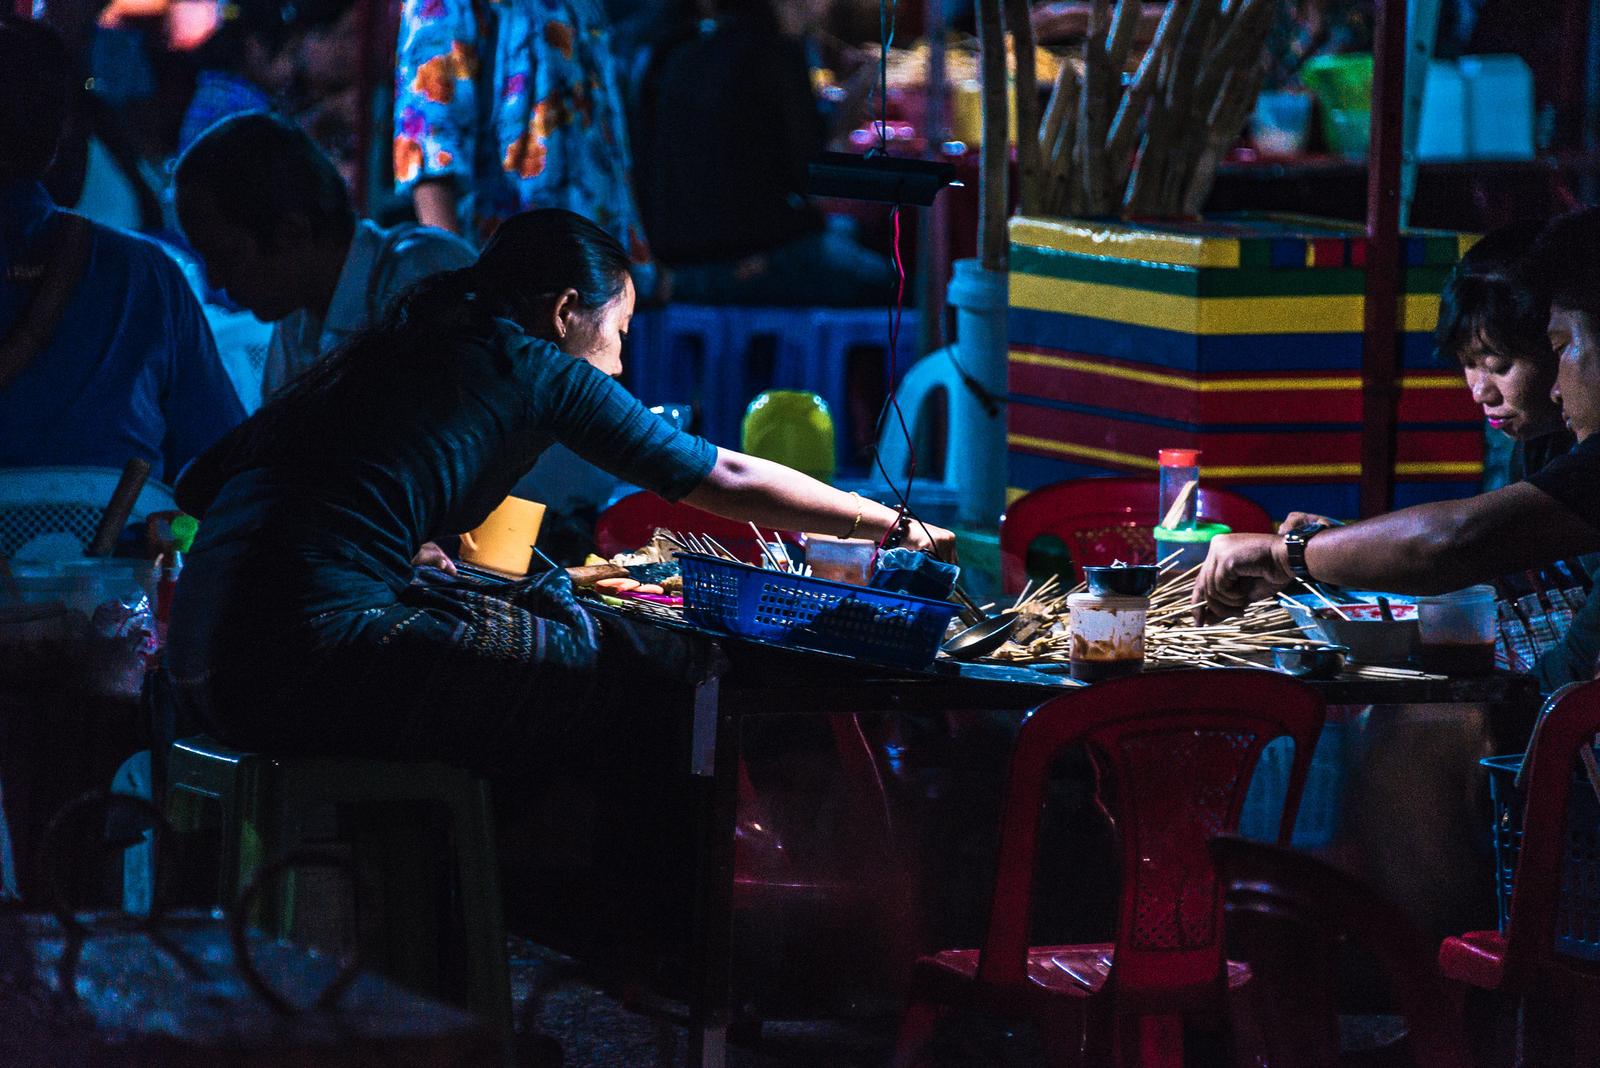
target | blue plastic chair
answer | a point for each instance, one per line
(835, 333)
(679, 354)
(789, 331)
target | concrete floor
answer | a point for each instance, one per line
(556, 998)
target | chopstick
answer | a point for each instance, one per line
(1179, 503)
(1324, 599)
(766, 554)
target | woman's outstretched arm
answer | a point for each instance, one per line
(771, 495)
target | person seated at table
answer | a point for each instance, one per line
(104, 352)
(269, 216)
(1493, 324)
(1552, 514)
(298, 625)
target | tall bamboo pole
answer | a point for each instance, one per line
(996, 149)
(1030, 161)
(1380, 366)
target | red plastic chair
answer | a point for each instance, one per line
(1106, 519)
(1179, 748)
(1560, 994)
(1287, 914)
(629, 524)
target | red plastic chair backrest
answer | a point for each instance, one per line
(1179, 748)
(1106, 519)
(1535, 899)
(1286, 915)
(629, 524)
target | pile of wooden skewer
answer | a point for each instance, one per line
(774, 553)
(1171, 638)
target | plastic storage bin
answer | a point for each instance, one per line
(1578, 911)
(812, 613)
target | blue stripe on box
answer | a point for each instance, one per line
(1217, 353)
(1288, 253)
(1217, 428)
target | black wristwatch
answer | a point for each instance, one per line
(1294, 543)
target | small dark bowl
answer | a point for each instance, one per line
(1309, 661)
(1128, 580)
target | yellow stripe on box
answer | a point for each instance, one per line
(1227, 385)
(1341, 470)
(1210, 315)
(1125, 243)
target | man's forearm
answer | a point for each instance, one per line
(1434, 548)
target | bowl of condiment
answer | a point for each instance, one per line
(1123, 580)
(1307, 660)
(1360, 626)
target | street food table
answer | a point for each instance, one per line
(757, 680)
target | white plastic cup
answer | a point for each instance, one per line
(1458, 631)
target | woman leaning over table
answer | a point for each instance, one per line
(299, 624)
(1552, 514)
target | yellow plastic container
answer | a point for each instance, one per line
(504, 541)
(793, 428)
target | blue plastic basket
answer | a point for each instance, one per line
(1578, 909)
(812, 613)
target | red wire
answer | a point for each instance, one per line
(895, 314)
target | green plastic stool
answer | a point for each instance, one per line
(793, 428)
(265, 806)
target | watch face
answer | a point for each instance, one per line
(1305, 531)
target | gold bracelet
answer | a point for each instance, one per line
(860, 511)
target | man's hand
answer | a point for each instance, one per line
(430, 555)
(1305, 519)
(1240, 569)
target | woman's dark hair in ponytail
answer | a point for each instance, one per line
(532, 259)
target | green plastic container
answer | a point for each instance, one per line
(1343, 86)
(1192, 545)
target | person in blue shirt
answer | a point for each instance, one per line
(104, 352)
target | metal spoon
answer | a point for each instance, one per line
(981, 638)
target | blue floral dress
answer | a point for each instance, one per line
(518, 102)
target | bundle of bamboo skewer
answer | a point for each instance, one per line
(1171, 637)
(1148, 148)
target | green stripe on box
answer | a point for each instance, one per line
(1442, 249)
(1255, 253)
(1200, 282)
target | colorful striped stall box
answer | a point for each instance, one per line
(1239, 336)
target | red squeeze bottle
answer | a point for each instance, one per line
(184, 528)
